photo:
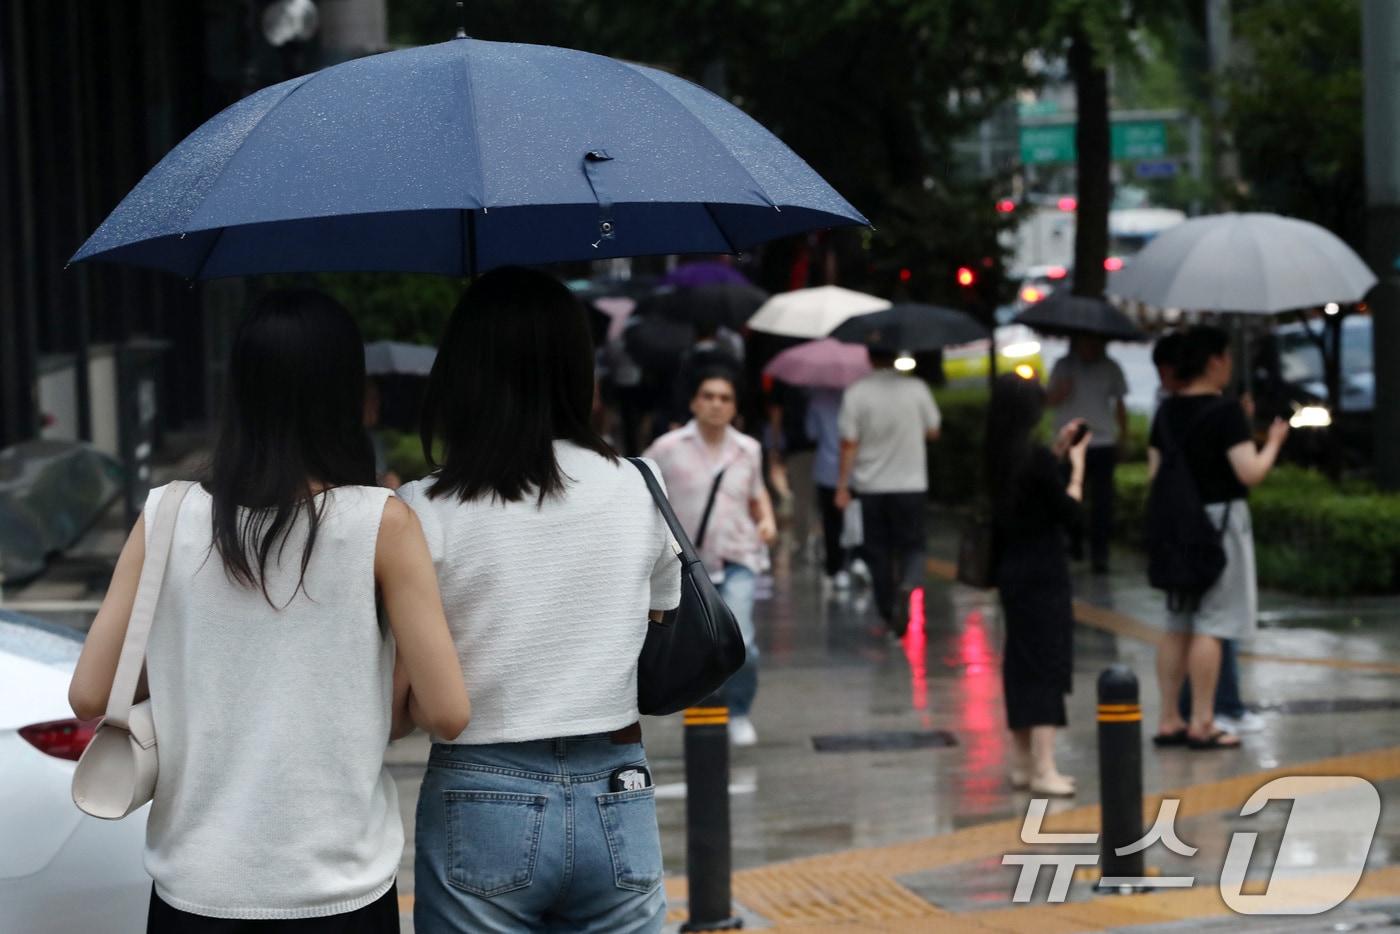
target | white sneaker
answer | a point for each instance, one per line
(841, 580)
(1251, 722)
(860, 571)
(741, 732)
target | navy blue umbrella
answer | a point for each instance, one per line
(459, 157)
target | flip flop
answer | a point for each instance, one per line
(1176, 738)
(1213, 741)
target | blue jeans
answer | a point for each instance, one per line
(1227, 687)
(737, 591)
(529, 837)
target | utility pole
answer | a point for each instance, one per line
(1380, 48)
(1225, 169)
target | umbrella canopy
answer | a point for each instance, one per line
(383, 358)
(722, 305)
(458, 157)
(1253, 263)
(657, 343)
(911, 327)
(813, 313)
(694, 275)
(823, 364)
(1067, 315)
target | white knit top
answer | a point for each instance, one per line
(273, 800)
(548, 603)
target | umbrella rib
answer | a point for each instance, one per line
(710, 210)
(213, 244)
(723, 148)
(244, 141)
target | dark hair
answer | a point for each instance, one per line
(1201, 344)
(1015, 412)
(513, 375)
(711, 371)
(292, 420)
(1167, 351)
(881, 357)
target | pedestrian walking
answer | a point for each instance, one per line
(1088, 385)
(884, 422)
(274, 687)
(551, 556)
(1213, 439)
(822, 424)
(714, 478)
(1033, 508)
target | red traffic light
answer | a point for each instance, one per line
(1006, 206)
(966, 277)
(1067, 203)
(905, 274)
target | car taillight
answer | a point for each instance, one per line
(64, 739)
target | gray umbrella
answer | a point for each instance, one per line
(1252, 263)
(383, 358)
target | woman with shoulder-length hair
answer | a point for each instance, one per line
(272, 682)
(1032, 509)
(551, 555)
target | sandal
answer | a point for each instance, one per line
(1174, 738)
(1214, 741)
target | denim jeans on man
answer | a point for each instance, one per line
(737, 591)
(529, 837)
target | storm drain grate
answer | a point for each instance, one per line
(889, 741)
(1331, 705)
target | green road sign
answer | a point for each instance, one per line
(1128, 140)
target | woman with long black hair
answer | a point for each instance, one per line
(274, 686)
(550, 554)
(1032, 508)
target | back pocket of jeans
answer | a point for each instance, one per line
(629, 824)
(493, 838)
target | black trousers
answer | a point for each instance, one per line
(831, 529)
(894, 544)
(1099, 464)
(378, 917)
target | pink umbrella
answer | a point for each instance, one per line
(823, 364)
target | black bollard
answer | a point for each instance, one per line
(707, 817)
(1120, 772)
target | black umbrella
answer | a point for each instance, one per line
(657, 342)
(725, 305)
(1068, 315)
(911, 327)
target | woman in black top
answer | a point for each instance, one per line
(1214, 437)
(1032, 509)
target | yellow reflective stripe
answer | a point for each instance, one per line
(707, 711)
(706, 721)
(1120, 718)
(1120, 708)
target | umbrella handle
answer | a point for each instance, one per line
(592, 160)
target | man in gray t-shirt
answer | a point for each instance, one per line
(885, 421)
(1088, 384)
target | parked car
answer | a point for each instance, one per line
(61, 871)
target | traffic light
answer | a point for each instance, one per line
(966, 277)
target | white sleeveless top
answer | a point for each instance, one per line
(548, 603)
(273, 801)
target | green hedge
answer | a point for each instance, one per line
(955, 460)
(1310, 537)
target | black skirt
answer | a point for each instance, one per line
(1037, 603)
(379, 917)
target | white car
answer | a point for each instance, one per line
(60, 870)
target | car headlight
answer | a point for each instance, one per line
(1021, 349)
(1311, 416)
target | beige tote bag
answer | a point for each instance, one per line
(117, 772)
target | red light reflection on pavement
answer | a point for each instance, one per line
(977, 717)
(915, 643)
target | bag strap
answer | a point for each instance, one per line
(684, 549)
(143, 611)
(709, 505)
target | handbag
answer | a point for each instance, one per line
(117, 772)
(692, 651)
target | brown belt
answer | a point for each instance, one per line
(626, 735)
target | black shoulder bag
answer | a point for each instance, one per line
(693, 650)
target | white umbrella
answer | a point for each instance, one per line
(1252, 263)
(813, 313)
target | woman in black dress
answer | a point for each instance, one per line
(1032, 508)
